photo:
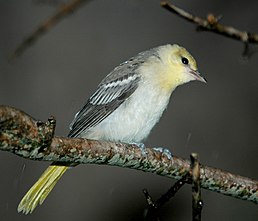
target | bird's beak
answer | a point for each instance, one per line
(197, 76)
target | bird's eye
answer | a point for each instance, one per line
(185, 60)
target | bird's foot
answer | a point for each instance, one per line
(164, 151)
(142, 147)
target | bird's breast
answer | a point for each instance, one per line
(133, 120)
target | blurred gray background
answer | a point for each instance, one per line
(59, 72)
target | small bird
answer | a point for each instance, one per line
(127, 104)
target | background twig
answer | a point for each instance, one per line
(154, 206)
(64, 10)
(211, 23)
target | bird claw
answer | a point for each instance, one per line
(142, 147)
(164, 151)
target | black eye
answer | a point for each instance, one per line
(184, 60)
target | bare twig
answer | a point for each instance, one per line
(154, 206)
(64, 10)
(151, 212)
(197, 203)
(149, 200)
(211, 23)
(31, 139)
(171, 192)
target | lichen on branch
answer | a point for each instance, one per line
(26, 137)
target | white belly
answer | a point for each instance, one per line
(134, 119)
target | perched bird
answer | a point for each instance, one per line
(128, 102)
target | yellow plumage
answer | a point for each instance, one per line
(40, 190)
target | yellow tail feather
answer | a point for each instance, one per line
(40, 190)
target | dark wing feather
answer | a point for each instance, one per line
(103, 102)
(114, 89)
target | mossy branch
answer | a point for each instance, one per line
(35, 140)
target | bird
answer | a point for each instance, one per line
(125, 107)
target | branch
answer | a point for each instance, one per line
(197, 203)
(64, 10)
(152, 211)
(211, 23)
(31, 139)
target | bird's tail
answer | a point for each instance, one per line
(40, 190)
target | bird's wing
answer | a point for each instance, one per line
(111, 93)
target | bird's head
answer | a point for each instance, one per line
(174, 66)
